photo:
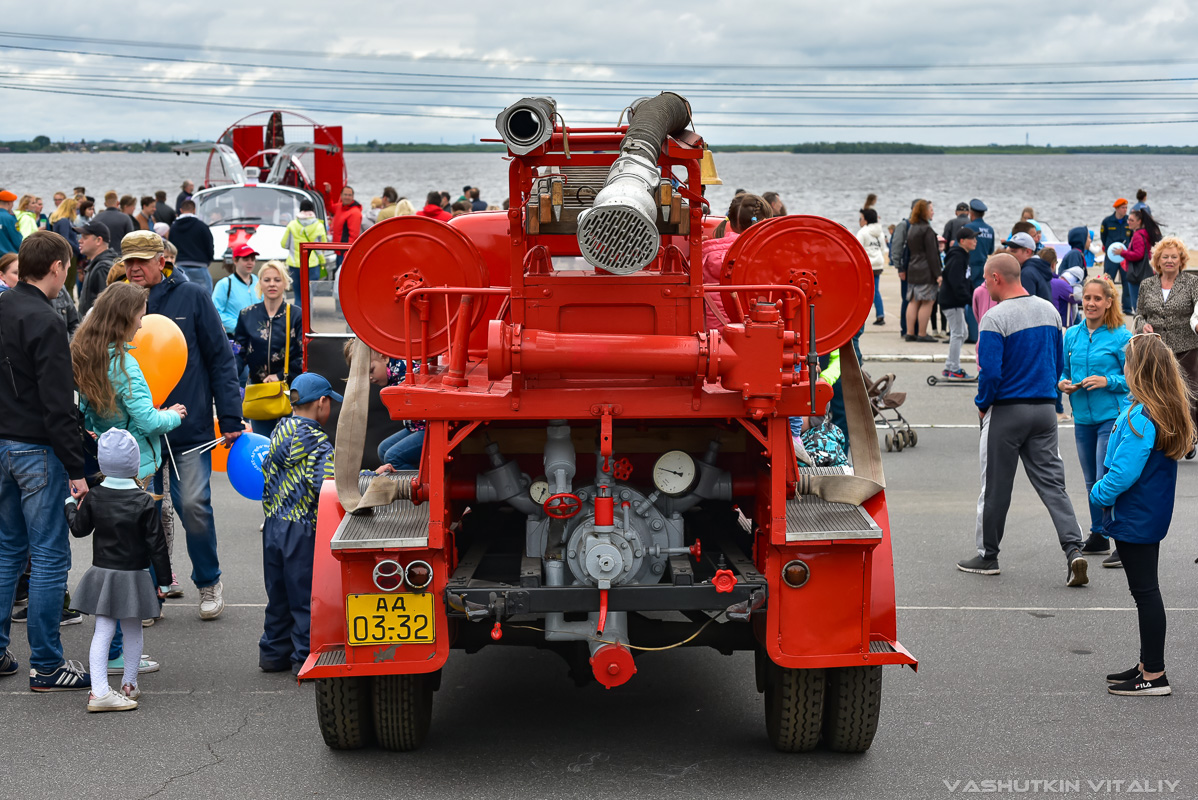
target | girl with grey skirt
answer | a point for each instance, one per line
(127, 538)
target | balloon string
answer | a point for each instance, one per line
(203, 448)
(172, 455)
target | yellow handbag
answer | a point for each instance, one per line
(270, 400)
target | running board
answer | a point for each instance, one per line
(401, 524)
(810, 519)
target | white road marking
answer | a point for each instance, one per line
(916, 358)
(1026, 608)
(227, 605)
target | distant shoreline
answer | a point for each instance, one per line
(810, 148)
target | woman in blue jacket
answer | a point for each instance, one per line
(1093, 378)
(1151, 434)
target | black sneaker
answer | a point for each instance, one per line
(1077, 570)
(8, 664)
(69, 677)
(979, 565)
(1113, 561)
(70, 617)
(880, 321)
(20, 614)
(1124, 676)
(1141, 687)
(1096, 545)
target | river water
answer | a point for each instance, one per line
(1064, 190)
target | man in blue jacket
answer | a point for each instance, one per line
(210, 375)
(1019, 359)
(977, 259)
(1079, 240)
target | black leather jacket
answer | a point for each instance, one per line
(127, 530)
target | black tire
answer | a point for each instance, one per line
(931, 380)
(899, 441)
(343, 710)
(794, 706)
(854, 701)
(912, 438)
(889, 443)
(403, 709)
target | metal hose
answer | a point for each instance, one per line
(619, 232)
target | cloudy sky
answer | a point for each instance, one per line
(756, 72)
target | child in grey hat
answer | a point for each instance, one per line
(127, 539)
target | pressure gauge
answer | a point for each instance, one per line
(674, 473)
(539, 491)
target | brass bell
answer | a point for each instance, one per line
(708, 175)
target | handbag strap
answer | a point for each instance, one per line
(287, 335)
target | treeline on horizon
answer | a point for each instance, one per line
(43, 144)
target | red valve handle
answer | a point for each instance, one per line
(696, 550)
(622, 469)
(724, 580)
(563, 505)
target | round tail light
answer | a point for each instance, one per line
(795, 574)
(388, 575)
(419, 575)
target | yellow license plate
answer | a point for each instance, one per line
(389, 618)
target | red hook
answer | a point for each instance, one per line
(497, 632)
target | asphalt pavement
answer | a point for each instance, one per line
(1010, 686)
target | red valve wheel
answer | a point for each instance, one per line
(563, 505)
(696, 550)
(622, 470)
(724, 581)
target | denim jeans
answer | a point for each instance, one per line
(402, 449)
(33, 489)
(903, 309)
(191, 495)
(1091, 451)
(199, 275)
(313, 275)
(1132, 296)
(879, 312)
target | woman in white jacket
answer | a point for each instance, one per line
(873, 239)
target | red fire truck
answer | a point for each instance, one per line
(603, 475)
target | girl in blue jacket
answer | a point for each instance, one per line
(1151, 434)
(1092, 376)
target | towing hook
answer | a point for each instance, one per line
(740, 612)
(475, 612)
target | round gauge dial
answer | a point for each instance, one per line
(674, 473)
(539, 491)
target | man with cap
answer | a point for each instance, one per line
(1114, 229)
(10, 237)
(95, 245)
(1035, 275)
(193, 238)
(210, 374)
(1020, 353)
(977, 259)
(955, 224)
(299, 461)
(41, 459)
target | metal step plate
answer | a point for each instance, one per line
(400, 524)
(809, 518)
(806, 470)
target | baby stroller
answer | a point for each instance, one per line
(883, 400)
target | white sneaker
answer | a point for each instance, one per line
(212, 601)
(130, 691)
(113, 701)
(116, 666)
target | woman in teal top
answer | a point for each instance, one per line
(1093, 378)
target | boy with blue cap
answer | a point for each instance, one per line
(298, 462)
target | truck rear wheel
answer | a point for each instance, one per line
(854, 700)
(344, 713)
(794, 706)
(403, 709)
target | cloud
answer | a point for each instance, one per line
(737, 47)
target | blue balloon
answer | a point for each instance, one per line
(1115, 252)
(245, 469)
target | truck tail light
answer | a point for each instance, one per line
(419, 575)
(388, 575)
(796, 573)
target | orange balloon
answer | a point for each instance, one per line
(161, 352)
